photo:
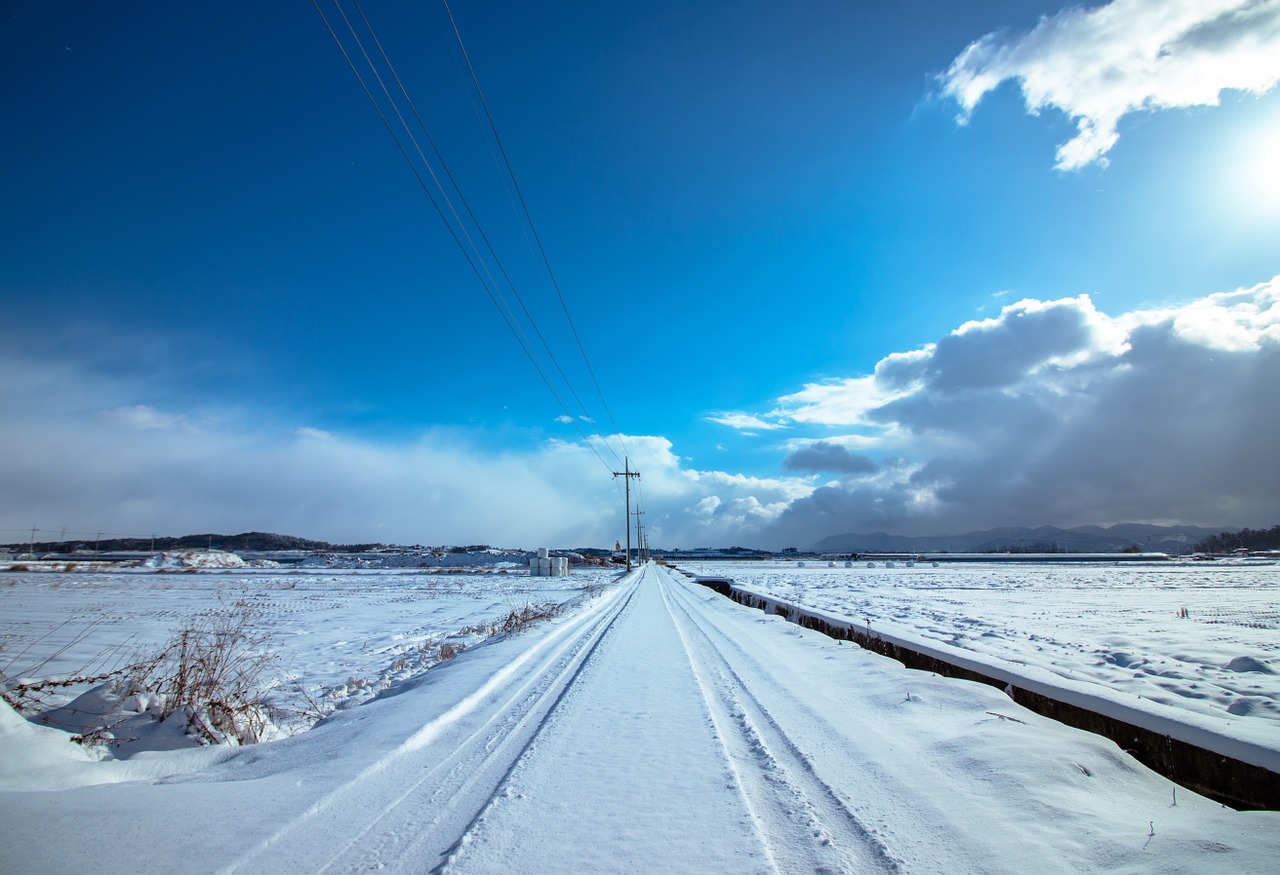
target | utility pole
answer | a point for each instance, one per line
(626, 473)
(31, 551)
(639, 536)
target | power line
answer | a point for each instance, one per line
(474, 257)
(466, 205)
(532, 227)
(476, 263)
(64, 532)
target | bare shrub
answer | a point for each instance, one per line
(521, 618)
(449, 650)
(216, 672)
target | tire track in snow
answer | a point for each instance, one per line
(423, 799)
(903, 798)
(529, 740)
(629, 775)
(802, 821)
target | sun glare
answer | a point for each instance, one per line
(1254, 172)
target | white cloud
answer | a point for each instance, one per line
(318, 434)
(141, 417)
(1098, 65)
(745, 421)
(79, 450)
(835, 402)
(707, 507)
(1235, 321)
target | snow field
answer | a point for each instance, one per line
(342, 637)
(1198, 641)
(658, 726)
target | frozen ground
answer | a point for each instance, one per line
(1200, 643)
(657, 727)
(342, 636)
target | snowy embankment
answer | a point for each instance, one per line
(658, 727)
(1189, 651)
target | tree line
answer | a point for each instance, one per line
(1250, 539)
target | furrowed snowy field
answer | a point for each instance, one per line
(340, 636)
(1198, 643)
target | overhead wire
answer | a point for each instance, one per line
(493, 127)
(471, 213)
(493, 291)
(499, 300)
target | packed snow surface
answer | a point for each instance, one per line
(1198, 643)
(654, 726)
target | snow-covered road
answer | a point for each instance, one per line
(663, 753)
(659, 728)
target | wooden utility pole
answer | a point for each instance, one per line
(626, 473)
(639, 537)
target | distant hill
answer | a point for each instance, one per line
(1081, 539)
(251, 542)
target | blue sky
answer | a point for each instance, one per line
(228, 304)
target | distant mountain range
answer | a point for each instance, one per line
(1081, 539)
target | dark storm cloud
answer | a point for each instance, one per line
(1057, 414)
(1000, 352)
(824, 456)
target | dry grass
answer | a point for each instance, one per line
(28, 690)
(517, 619)
(216, 672)
(521, 618)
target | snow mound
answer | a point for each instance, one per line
(1240, 707)
(193, 559)
(1247, 663)
(120, 728)
(28, 752)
